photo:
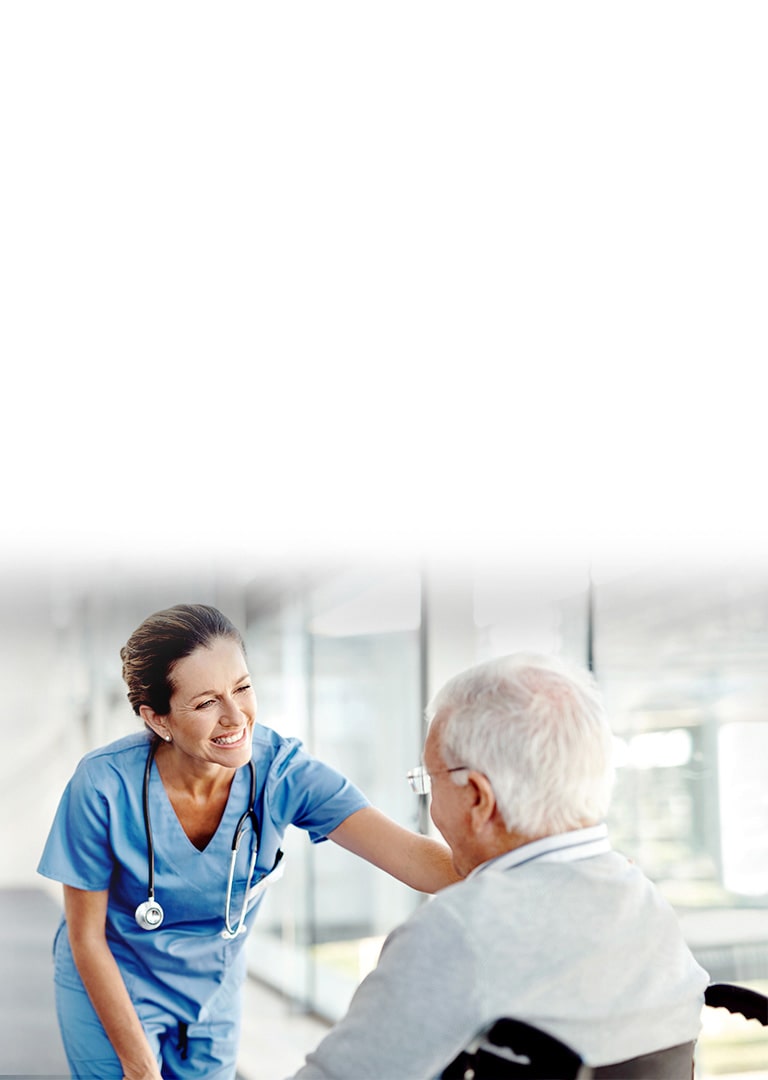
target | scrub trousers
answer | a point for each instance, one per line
(205, 1049)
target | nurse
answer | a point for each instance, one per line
(149, 958)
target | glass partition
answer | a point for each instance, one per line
(338, 666)
(682, 660)
(683, 665)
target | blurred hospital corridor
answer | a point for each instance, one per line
(345, 658)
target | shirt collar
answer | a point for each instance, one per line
(563, 847)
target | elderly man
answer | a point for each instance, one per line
(549, 925)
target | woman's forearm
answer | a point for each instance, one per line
(86, 914)
(419, 861)
(109, 997)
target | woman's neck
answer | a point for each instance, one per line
(190, 778)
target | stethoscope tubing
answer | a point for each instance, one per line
(149, 914)
(229, 931)
(148, 823)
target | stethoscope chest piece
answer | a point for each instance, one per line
(149, 915)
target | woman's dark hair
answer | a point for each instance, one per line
(164, 638)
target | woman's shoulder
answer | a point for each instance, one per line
(284, 757)
(265, 738)
(269, 746)
(280, 754)
(122, 753)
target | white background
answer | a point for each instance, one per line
(344, 278)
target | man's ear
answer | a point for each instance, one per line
(154, 721)
(483, 806)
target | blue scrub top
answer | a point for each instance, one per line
(98, 841)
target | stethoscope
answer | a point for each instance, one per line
(149, 914)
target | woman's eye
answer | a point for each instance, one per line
(205, 704)
(240, 689)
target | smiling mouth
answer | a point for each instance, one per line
(230, 740)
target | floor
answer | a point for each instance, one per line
(29, 1036)
(276, 1038)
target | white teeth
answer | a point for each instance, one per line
(227, 740)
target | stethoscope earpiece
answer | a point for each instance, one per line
(149, 915)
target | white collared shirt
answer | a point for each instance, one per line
(562, 847)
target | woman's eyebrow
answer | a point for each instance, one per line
(214, 693)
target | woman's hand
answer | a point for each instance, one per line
(144, 1074)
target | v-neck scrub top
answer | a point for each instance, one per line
(98, 841)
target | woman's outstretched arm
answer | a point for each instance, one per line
(419, 861)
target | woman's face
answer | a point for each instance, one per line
(213, 706)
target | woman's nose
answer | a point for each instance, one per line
(231, 713)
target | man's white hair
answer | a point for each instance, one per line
(535, 726)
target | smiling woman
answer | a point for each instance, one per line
(211, 712)
(161, 885)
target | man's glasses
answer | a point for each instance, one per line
(421, 781)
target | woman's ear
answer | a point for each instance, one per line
(155, 722)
